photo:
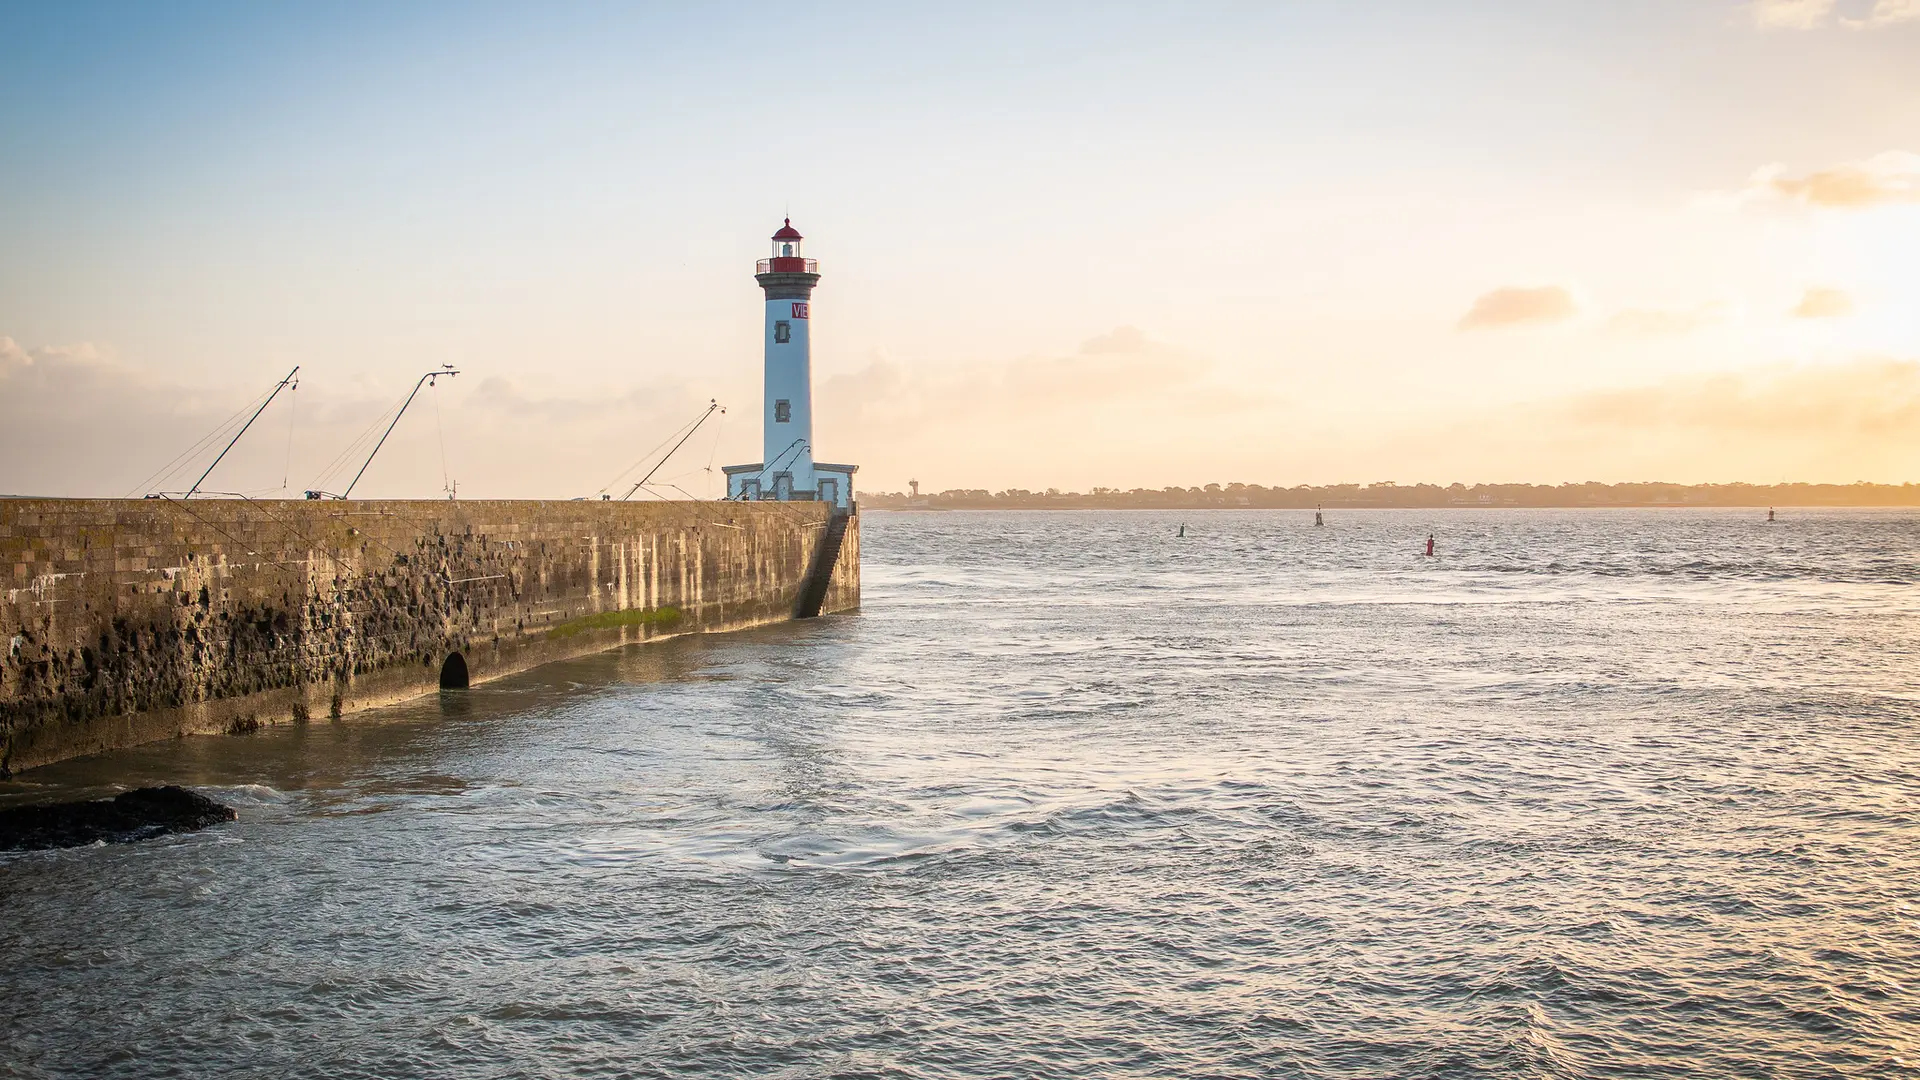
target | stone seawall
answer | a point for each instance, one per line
(126, 621)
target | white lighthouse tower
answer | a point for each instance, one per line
(787, 470)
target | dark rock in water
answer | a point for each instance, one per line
(129, 816)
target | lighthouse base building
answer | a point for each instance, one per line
(829, 484)
(787, 471)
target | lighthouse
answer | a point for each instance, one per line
(787, 471)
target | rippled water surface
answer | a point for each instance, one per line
(1589, 794)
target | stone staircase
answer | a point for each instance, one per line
(813, 592)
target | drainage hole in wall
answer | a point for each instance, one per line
(453, 673)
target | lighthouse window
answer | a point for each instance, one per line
(782, 412)
(786, 249)
(782, 332)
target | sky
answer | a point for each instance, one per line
(1061, 245)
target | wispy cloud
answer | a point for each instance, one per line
(1858, 419)
(22, 368)
(1513, 306)
(1121, 404)
(1822, 304)
(1818, 14)
(1884, 13)
(72, 416)
(1124, 363)
(1863, 398)
(1645, 323)
(1891, 178)
(504, 400)
(1792, 14)
(1123, 368)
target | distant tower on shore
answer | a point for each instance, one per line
(787, 471)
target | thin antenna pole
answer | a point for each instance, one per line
(282, 385)
(712, 406)
(429, 377)
(293, 419)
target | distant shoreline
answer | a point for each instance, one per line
(890, 509)
(1649, 496)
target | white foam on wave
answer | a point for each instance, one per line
(249, 794)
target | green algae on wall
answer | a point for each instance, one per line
(608, 620)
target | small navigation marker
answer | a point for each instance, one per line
(1429, 543)
(1183, 532)
(1769, 515)
(1317, 519)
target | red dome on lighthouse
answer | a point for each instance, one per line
(787, 256)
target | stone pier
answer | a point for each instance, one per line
(126, 621)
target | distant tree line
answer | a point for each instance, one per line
(1388, 494)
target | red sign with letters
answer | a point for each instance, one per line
(799, 310)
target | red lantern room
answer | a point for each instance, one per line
(786, 253)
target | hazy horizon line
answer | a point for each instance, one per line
(1394, 484)
(1386, 495)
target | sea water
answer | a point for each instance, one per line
(1586, 793)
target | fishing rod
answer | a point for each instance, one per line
(713, 406)
(429, 379)
(281, 385)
